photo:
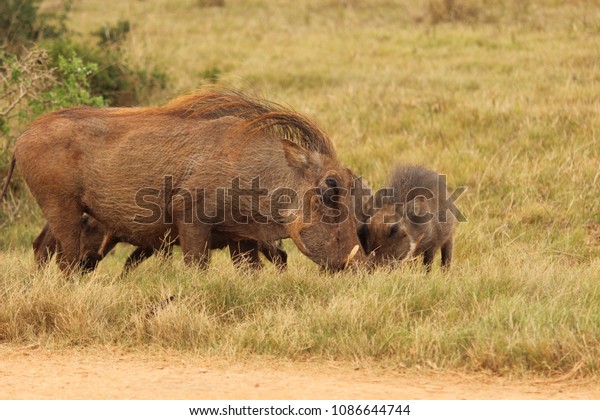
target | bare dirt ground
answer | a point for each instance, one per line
(27, 373)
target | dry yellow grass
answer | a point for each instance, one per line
(504, 102)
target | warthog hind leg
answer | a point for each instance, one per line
(447, 253)
(44, 247)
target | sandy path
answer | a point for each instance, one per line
(103, 374)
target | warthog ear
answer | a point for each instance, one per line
(296, 156)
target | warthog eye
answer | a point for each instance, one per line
(330, 189)
(331, 182)
(394, 230)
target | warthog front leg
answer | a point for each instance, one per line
(137, 257)
(195, 243)
(141, 254)
(274, 253)
(245, 254)
(428, 258)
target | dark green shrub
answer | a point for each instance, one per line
(211, 74)
(74, 87)
(115, 34)
(116, 81)
(63, 72)
(32, 86)
(21, 23)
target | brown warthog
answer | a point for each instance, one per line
(414, 220)
(145, 172)
(95, 244)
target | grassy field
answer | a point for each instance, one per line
(503, 97)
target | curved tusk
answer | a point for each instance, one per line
(107, 238)
(352, 254)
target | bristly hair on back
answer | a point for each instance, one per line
(259, 115)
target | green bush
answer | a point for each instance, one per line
(110, 35)
(211, 74)
(74, 88)
(32, 86)
(115, 80)
(22, 25)
(21, 22)
(60, 72)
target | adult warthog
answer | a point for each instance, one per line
(151, 173)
